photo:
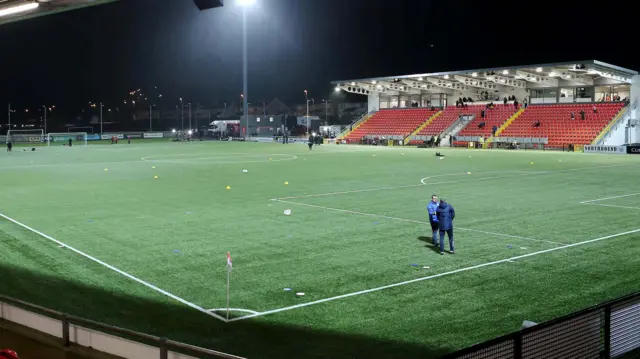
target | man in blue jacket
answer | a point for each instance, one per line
(432, 207)
(445, 214)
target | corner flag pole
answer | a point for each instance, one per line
(229, 267)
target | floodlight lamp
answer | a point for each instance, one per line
(19, 8)
(246, 3)
(475, 74)
(313, 134)
(505, 72)
(173, 130)
(539, 69)
(446, 76)
(190, 132)
(337, 89)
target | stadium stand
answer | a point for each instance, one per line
(450, 115)
(392, 122)
(546, 92)
(495, 116)
(557, 125)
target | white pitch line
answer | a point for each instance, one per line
(233, 310)
(434, 276)
(604, 199)
(610, 205)
(442, 182)
(409, 220)
(136, 279)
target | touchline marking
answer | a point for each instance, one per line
(422, 183)
(604, 199)
(136, 279)
(411, 221)
(434, 276)
(610, 205)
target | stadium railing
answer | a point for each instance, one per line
(73, 332)
(608, 330)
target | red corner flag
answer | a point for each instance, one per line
(229, 264)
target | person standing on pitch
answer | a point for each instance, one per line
(446, 214)
(311, 140)
(432, 207)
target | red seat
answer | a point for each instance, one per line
(556, 123)
(392, 122)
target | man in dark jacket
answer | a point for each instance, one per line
(446, 214)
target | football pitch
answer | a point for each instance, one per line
(91, 232)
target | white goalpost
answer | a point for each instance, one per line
(25, 136)
(62, 138)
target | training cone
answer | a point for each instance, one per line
(286, 183)
(228, 187)
(155, 177)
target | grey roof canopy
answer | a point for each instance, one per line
(44, 7)
(576, 73)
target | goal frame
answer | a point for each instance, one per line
(34, 133)
(65, 137)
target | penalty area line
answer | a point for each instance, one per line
(109, 266)
(465, 269)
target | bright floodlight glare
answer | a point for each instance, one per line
(337, 88)
(20, 8)
(246, 2)
(475, 74)
(173, 130)
(505, 72)
(539, 69)
(314, 134)
(190, 132)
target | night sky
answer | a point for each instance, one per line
(101, 53)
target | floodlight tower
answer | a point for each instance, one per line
(245, 91)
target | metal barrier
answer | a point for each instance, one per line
(69, 321)
(605, 331)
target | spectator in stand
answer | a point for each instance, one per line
(595, 109)
(515, 104)
(505, 101)
(526, 104)
(8, 354)
(573, 115)
(482, 113)
(481, 124)
(582, 115)
(494, 130)
(536, 124)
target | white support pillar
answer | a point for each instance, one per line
(374, 101)
(634, 135)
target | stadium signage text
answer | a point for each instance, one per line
(107, 136)
(153, 135)
(633, 150)
(605, 149)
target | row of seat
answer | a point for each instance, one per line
(392, 122)
(557, 124)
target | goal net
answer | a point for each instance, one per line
(61, 139)
(25, 136)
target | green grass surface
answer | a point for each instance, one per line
(366, 234)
